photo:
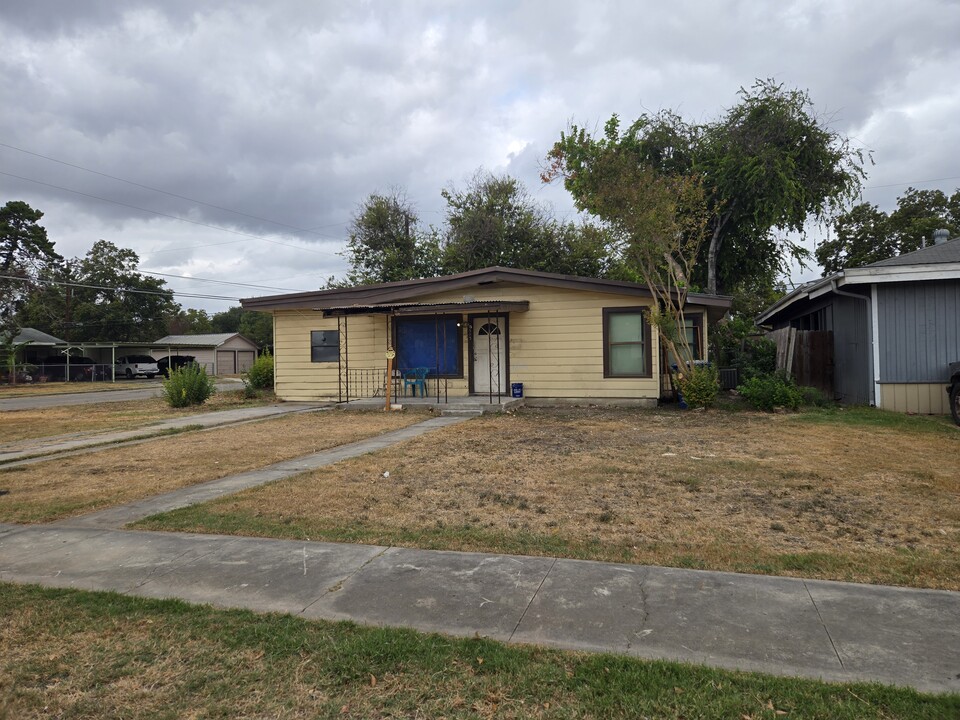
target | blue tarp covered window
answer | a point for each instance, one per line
(431, 342)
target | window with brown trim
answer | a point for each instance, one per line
(626, 343)
(694, 337)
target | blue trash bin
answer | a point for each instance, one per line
(516, 390)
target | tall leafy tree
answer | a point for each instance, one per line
(865, 234)
(189, 321)
(255, 326)
(767, 166)
(658, 216)
(118, 303)
(25, 251)
(495, 221)
(386, 243)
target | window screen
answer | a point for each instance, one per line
(430, 342)
(324, 345)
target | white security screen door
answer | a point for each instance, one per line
(489, 355)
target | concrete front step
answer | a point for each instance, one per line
(462, 407)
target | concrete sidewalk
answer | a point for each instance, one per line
(828, 630)
(14, 454)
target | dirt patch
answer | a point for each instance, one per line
(84, 483)
(18, 425)
(738, 491)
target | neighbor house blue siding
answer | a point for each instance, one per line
(919, 330)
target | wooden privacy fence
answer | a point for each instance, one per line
(806, 355)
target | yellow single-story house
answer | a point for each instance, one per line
(477, 333)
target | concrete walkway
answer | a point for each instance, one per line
(834, 631)
(117, 517)
(828, 630)
(62, 444)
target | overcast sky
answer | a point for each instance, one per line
(271, 121)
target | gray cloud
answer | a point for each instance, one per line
(294, 112)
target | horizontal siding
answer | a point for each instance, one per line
(919, 398)
(919, 330)
(555, 349)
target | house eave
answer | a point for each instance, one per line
(411, 289)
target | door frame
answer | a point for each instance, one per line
(505, 377)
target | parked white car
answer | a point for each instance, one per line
(130, 366)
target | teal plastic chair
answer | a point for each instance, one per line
(416, 378)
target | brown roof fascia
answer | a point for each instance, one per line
(407, 289)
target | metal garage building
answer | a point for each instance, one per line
(220, 353)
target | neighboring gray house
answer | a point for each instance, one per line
(220, 353)
(895, 324)
(35, 343)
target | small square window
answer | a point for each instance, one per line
(324, 345)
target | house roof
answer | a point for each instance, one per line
(206, 340)
(935, 262)
(945, 252)
(36, 337)
(409, 290)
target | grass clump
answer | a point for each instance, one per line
(186, 386)
(767, 392)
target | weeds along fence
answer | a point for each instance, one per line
(807, 356)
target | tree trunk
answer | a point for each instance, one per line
(713, 251)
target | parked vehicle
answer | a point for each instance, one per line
(131, 366)
(175, 362)
(954, 391)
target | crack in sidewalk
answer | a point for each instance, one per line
(532, 598)
(337, 586)
(824, 624)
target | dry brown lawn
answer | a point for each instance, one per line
(732, 491)
(85, 483)
(18, 425)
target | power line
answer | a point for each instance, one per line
(162, 293)
(915, 182)
(219, 282)
(172, 217)
(170, 194)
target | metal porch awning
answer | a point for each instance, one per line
(473, 306)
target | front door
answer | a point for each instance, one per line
(489, 355)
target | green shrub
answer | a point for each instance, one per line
(700, 386)
(756, 357)
(815, 397)
(189, 385)
(260, 374)
(766, 392)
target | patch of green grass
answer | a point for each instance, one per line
(178, 430)
(869, 417)
(93, 655)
